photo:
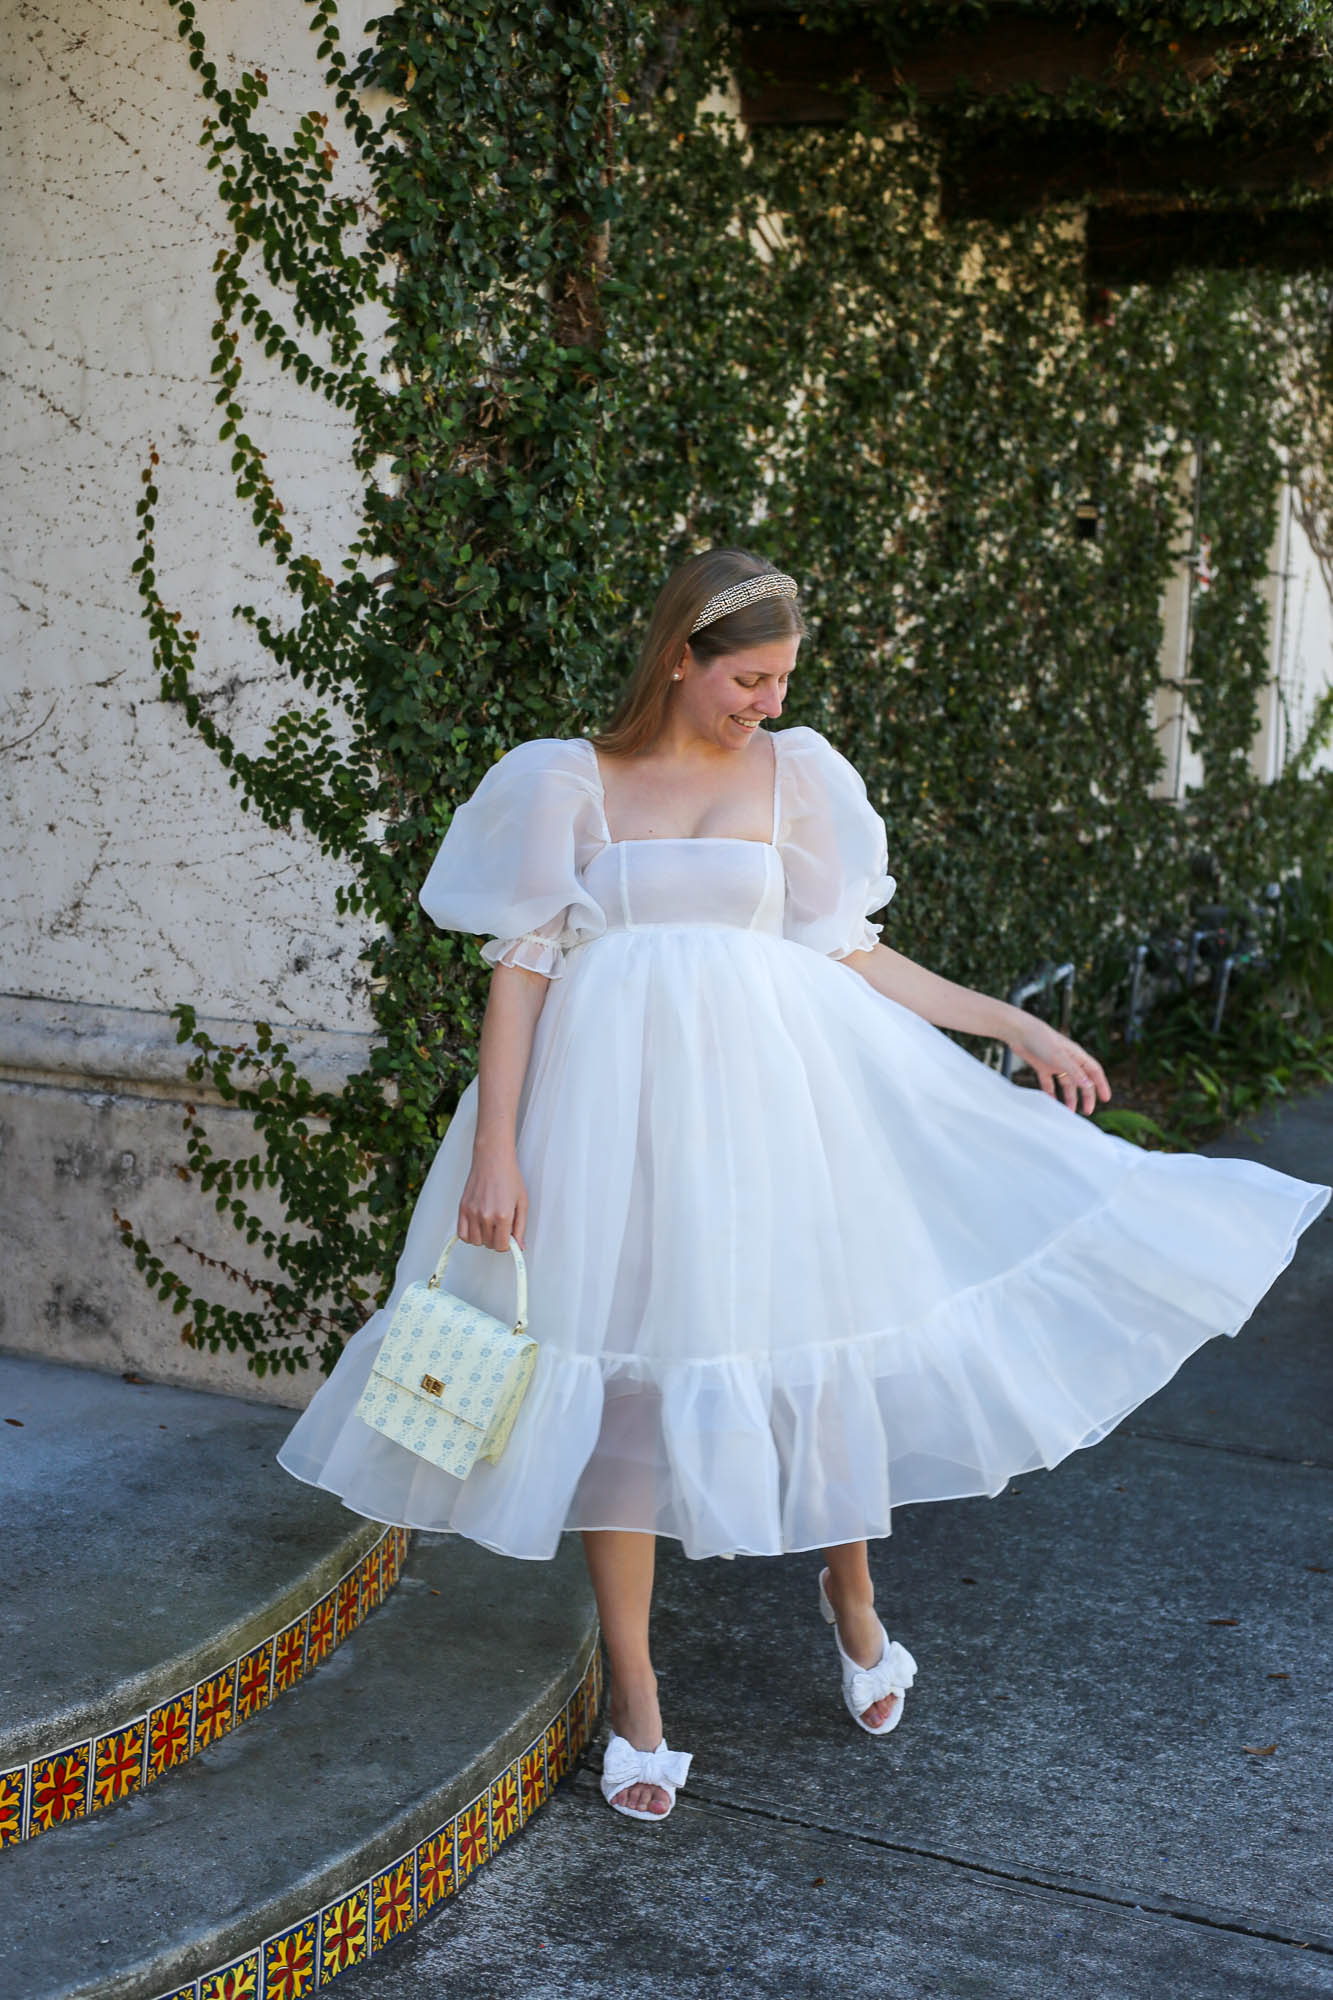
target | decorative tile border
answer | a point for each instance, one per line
(306, 1956)
(83, 1777)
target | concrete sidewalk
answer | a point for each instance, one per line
(1112, 1777)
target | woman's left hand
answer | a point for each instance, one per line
(1036, 1042)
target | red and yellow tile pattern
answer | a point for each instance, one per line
(83, 1777)
(309, 1955)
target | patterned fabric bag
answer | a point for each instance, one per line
(448, 1379)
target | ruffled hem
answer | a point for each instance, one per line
(532, 951)
(767, 1453)
(868, 939)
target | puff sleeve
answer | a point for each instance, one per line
(509, 863)
(834, 849)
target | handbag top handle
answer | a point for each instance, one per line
(520, 1282)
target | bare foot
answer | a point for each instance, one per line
(859, 1631)
(635, 1715)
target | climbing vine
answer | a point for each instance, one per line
(621, 329)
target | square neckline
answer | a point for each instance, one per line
(680, 839)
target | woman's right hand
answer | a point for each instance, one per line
(494, 1203)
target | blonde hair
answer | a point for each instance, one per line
(641, 710)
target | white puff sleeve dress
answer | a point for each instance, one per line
(795, 1257)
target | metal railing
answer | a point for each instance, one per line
(1219, 939)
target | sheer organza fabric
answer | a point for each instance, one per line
(514, 862)
(795, 1257)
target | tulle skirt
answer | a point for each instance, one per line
(795, 1258)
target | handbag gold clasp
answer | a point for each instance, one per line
(431, 1386)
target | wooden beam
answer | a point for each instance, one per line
(1005, 175)
(1124, 248)
(793, 76)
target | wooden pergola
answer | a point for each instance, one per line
(1160, 192)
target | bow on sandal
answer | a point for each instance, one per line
(623, 1765)
(892, 1674)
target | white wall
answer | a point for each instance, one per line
(1300, 650)
(1172, 719)
(132, 877)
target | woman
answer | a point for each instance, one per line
(795, 1256)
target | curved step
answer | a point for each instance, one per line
(167, 1581)
(308, 1841)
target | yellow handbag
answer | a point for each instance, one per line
(448, 1379)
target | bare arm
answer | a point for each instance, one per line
(494, 1203)
(939, 1001)
(945, 1004)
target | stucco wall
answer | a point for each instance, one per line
(1302, 643)
(136, 880)
(132, 879)
(92, 1103)
(1300, 647)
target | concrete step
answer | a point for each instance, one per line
(167, 1579)
(306, 1842)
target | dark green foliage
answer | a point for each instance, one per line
(594, 367)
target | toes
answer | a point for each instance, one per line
(642, 1798)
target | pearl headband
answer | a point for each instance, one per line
(769, 583)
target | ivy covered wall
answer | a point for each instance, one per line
(622, 331)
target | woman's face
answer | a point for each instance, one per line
(731, 696)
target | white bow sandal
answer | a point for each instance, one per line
(892, 1674)
(623, 1765)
